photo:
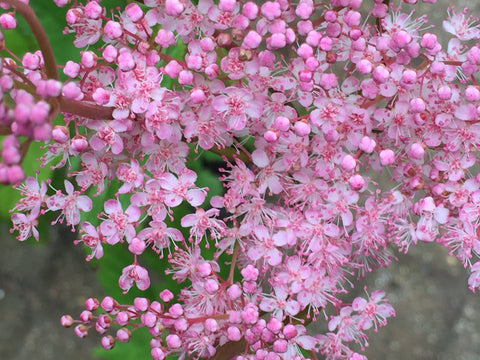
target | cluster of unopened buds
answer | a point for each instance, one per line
(347, 133)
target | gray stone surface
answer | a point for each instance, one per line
(39, 284)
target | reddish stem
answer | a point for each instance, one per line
(87, 110)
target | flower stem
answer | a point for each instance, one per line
(84, 109)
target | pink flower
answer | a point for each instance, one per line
(70, 204)
(92, 239)
(33, 195)
(203, 221)
(134, 274)
(181, 188)
(26, 225)
(461, 25)
(118, 224)
(236, 106)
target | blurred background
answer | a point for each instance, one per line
(438, 318)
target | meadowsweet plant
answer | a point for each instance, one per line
(347, 134)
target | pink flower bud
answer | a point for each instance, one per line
(137, 246)
(86, 316)
(11, 155)
(227, 5)
(233, 333)
(379, 10)
(352, 18)
(437, 68)
(211, 325)
(473, 55)
(8, 21)
(326, 44)
(271, 10)
(157, 354)
(113, 30)
(211, 286)
(110, 52)
(91, 304)
(252, 40)
(81, 331)
(417, 105)
(79, 143)
(107, 342)
(364, 67)
(173, 69)
(330, 16)
(173, 341)
(333, 30)
(234, 292)
(472, 93)
(409, 76)
(304, 27)
(141, 303)
(134, 12)
(165, 38)
(313, 39)
(123, 335)
(176, 310)
(101, 96)
(93, 10)
(73, 16)
(61, 3)
(31, 61)
(348, 163)
(270, 136)
(250, 10)
(104, 320)
(66, 321)
(312, 63)
(122, 318)
(417, 150)
(125, 60)
(194, 62)
(274, 325)
(149, 319)
(204, 269)
(276, 41)
(305, 75)
(304, 9)
(181, 324)
(357, 182)
(289, 331)
(197, 96)
(108, 304)
(250, 273)
(306, 86)
(281, 123)
(174, 7)
(71, 69)
(166, 295)
(401, 38)
(387, 157)
(72, 91)
(444, 92)
(280, 346)
(328, 81)
(156, 306)
(429, 41)
(42, 132)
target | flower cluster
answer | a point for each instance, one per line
(344, 138)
